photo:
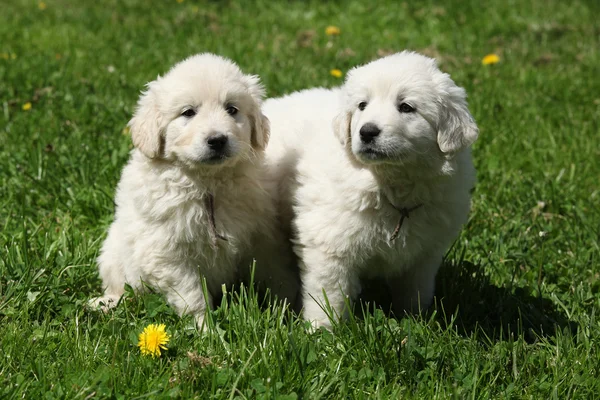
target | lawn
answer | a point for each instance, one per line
(517, 304)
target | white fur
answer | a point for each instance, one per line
(340, 191)
(160, 236)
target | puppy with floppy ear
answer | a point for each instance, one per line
(383, 190)
(147, 132)
(194, 202)
(341, 127)
(260, 132)
(456, 128)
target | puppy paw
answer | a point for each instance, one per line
(201, 323)
(315, 325)
(104, 303)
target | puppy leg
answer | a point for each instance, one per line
(320, 273)
(413, 291)
(110, 268)
(182, 287)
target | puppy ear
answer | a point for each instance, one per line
(146, 124)
(260, 124)
(261, 131)
(341, 127)
(457, 128)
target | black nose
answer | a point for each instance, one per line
(217, 142)
(369, 132)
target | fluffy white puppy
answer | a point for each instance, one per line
(194, 201)
(383, 190)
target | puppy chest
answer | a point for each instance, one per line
(212, 226)
(380, 240)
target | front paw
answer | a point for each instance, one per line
(201, 322)
(317, 324)
(316, 320)
(104, 303)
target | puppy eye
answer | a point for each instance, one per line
(231, 110)
(405, 108)
(189, 113)
(362, 105)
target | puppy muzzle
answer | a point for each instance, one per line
(219, 149)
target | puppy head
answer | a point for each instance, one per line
(203, 112)
(403, 109)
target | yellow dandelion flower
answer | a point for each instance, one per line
(26, 106)
(153, 339)
(42, 5)
(180, 1)
(336, 73)
(332, 30)
(490, 59)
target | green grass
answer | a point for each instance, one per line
(518, 298)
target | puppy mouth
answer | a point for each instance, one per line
(215, 158)
(371, 154)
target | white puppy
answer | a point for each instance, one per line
(194, 201)
(381, 192)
